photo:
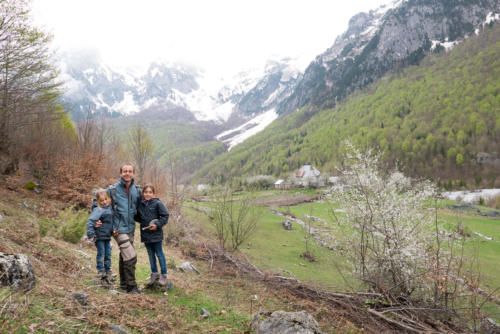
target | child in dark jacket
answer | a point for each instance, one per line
(152, 215)
(101, 236)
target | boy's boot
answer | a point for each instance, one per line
(100, 274)
(163, 280)
(152, 278)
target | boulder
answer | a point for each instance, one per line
(188, 267)
(287, 225)
(492, 214)
(277, 322)
(205, 313)
(16, 271)
(118, 329)
(489, 326)
(81, 298)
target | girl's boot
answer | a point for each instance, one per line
(152, 278)
(163, 280)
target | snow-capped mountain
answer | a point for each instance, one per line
(394, 35)
(94, 86)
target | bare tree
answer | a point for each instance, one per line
(141, 148)
(234, 218)
(28, 87)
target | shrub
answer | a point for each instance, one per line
(234, 218)
(47, 226)
(73, 224)
(385, 231)
(260, 182)
(69, 225)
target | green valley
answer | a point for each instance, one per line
(433, 119)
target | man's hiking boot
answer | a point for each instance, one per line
(152, 278)
(133, 290)
(163, 280)
(101, 274)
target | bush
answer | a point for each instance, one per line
(73, 225)
(234, 218)
(47, 226)
(70, 225)
(260, 182)
(386, 234)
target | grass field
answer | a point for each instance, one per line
(278, 250)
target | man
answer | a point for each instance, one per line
(125, 197)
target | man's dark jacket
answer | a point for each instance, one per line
(124, 205)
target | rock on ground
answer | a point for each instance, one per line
(81, 298)
(188, 267)
(16, 271)
(283, 322)
(489, 326)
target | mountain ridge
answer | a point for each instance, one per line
(380, 40)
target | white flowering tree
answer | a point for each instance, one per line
(385, 233)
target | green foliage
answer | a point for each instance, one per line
(73, 227)
(260, 182)
(30, 185)
(68, 226)
(432, 118)
(47, 226)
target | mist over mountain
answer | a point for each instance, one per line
(230, 109)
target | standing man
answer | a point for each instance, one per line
(125, 196)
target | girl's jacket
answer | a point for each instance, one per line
(104, 232)
(152, 211)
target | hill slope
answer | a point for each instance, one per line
(392, 36)
(435, 118)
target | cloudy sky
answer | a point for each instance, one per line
(219, 35)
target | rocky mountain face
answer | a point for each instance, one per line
(93, 86)
(376, 42)
(173, 91)
(275, 86)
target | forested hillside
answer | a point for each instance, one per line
(433, 119)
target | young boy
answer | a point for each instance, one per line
(101, 235)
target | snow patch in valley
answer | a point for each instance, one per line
(237, 135)
(446, 45)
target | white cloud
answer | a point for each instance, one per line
(222, 34)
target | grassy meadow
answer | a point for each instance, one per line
(279, 251)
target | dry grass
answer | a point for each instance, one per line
(227, 287)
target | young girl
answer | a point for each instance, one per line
(152, 215)
(101, 235)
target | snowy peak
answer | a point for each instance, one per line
(92, 85)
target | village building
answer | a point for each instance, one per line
(282, 184)
(308, 176)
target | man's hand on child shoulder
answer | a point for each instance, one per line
(115, 233)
